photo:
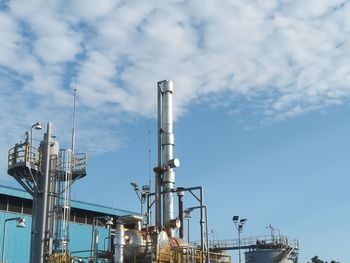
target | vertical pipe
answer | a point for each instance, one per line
(142, 215)
(180, 194)
(158, 172)
(239, 245)
(148, 222)
(109, 228)
(201, 215)
(207, 234)
(96, 236)
(188, 230)
(119, 243)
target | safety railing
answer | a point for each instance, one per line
(79, 163)
(280, 241)
(186, 254)
(60, 258)
(23, 154)
(178, 254)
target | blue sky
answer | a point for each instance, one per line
(261, 103)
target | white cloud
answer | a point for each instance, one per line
(284, 57)
(89, 9)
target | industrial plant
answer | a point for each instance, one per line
(53, 228)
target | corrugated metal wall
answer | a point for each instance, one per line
(18, 239)
(80, 238)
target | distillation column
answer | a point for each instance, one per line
(166, 144)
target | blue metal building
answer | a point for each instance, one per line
(18, 203)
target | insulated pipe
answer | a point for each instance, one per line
(119, 243)
(157, 170)
(96, 237)
(181, 194)
(168, 179)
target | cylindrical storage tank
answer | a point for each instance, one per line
(267, 256)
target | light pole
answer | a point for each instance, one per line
(201, 207)
(21, 223)
(239, 226)
(37, 126)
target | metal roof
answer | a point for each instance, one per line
(11, 191)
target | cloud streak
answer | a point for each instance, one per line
(285, 57)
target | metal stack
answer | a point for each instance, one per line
(165, 176)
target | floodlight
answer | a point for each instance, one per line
(187, 213)
(135, 185)
(21, 222)
(242, 221)
(38, 126)
(146, 188)
(109, 221)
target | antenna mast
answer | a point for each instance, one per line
(149, 160)
(74, 113)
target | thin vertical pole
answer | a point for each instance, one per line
(207, 234)
(188, 230)
(73, 125)
(149, 160)
(201, 216)
(239, 244)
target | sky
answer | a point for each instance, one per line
(261, 102)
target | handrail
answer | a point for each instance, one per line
(23, 153)
(281, 241)
(184, 254)
(79, 162)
